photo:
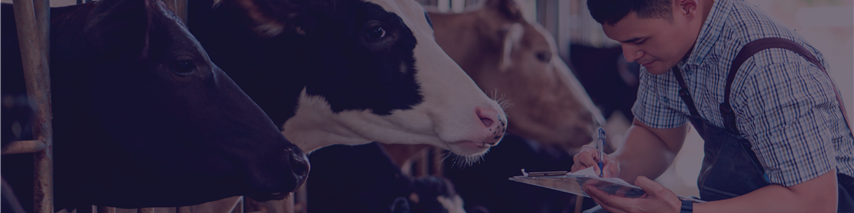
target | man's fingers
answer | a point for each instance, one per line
(583, 160)
(603, 199)
(650, 186)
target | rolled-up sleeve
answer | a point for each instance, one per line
(790, 114)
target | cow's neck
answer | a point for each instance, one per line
(315, 125)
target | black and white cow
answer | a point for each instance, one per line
(348, 72)
(142, 117)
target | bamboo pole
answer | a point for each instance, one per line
(27, 146)
(31, 17)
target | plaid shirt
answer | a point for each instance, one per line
(785, 106)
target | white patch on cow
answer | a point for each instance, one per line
(447, 118)
(514, 35)
(403, 67)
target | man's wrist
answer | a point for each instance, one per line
(687, 207)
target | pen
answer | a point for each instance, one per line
(600, 146)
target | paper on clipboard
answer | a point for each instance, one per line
(572, 183)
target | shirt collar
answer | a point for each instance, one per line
(710, 32)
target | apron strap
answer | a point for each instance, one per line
(683, 92)
(752, 48)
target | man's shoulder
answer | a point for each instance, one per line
(750, 23)
(733, 24)
(747, 22)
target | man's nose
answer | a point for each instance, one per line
(631, 53)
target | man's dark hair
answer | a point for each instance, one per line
(612, 11)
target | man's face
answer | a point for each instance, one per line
(655, 43)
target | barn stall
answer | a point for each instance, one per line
(546, 12)
(42, 146)
(568, 28)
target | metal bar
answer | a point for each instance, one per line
(145, 210)
(301, 199)
(280, 206)
(86, 209)
(237, 207)
(31, 17)
(28, 146)
(423, 163)
(438, 158)
(106, 209)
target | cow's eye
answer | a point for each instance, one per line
(184, 66)
(544, 56)
(376, 32)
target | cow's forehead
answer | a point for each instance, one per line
(410, 11)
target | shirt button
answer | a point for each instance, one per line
(689, 72)
(665, 99)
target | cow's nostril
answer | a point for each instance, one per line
(299, 164)
(486, 121)
(486, 116)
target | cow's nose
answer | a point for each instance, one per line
(491, 119)
(299, 164)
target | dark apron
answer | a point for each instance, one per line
(730, 167)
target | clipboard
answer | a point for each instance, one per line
(572, 183)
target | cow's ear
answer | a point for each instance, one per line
(121, 27)
(510, 9)
(269, 18)
(512, 35)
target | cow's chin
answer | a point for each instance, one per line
(468, 148)
(465, 153)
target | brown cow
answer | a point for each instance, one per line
(517, 60)
(552, 113)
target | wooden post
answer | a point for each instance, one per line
(31, 17)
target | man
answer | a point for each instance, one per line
(776, 139)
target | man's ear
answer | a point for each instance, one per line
(687, 8)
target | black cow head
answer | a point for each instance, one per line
(142, 117)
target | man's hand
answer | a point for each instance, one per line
(589, 156)
(657, 199)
